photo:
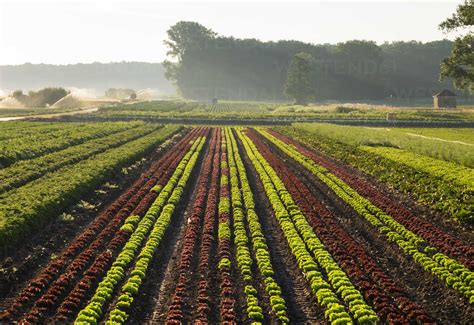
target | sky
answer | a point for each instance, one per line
(67, 32)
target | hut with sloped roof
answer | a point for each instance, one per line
(444, 99)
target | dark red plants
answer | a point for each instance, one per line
(454, 247)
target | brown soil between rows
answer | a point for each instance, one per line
(446, 305)
(23, 264)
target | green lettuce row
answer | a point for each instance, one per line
(164, 203)
(448, 171)
(426, 188)
(260, 248)
(23, 171)
(339, 281)
(241, 241)
(41, 143)
(453, 273)
(291, 220)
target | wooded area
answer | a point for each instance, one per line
(210, 65)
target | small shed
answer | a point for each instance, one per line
(444, 99)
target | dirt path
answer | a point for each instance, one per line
(438, 139)
(81, 111)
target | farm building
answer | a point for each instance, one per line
(444, 99)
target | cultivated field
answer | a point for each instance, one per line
(134, 222)
(277, 113)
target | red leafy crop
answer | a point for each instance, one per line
(193, 229)
(376, 287)
(454, 247)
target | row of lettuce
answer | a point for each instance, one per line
(68, 281)
(34, 141)
(448, 270)
(146, 235)
(24, 171)
(245, 216)
(335, 293)
(199, 225)
(447, 144)
(444, 186)
(27, 208)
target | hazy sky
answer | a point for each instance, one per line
(63, 32)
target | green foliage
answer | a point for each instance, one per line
(224, 230)
(119, 93)
(298, 82)
(450, 172)
(210, 65)
(302, 240)
(224, 263)
(460, 64)
(108, 137)
(439, 143)
(25, 209)
(51, 139)
(250, 112)
(463, 17)
(257, 239)
(143, 242)
(448, 270)
(430, 189)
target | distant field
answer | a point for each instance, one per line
(258, 111)
(441, 143)
(248, 112)
(455, 135)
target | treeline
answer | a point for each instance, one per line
(210, 65)
(98, 76)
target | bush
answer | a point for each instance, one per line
(345, 109)
(41, 98)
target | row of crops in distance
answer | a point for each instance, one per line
(257, 111)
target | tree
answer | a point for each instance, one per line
(460, 64)
(298, 82)
(184, 37)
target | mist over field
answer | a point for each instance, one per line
(97, 77)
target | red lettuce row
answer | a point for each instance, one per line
(382, 292)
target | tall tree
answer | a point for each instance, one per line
(298, 82)
(460, 64)
(184, 38)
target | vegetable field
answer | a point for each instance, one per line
(230, 225)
